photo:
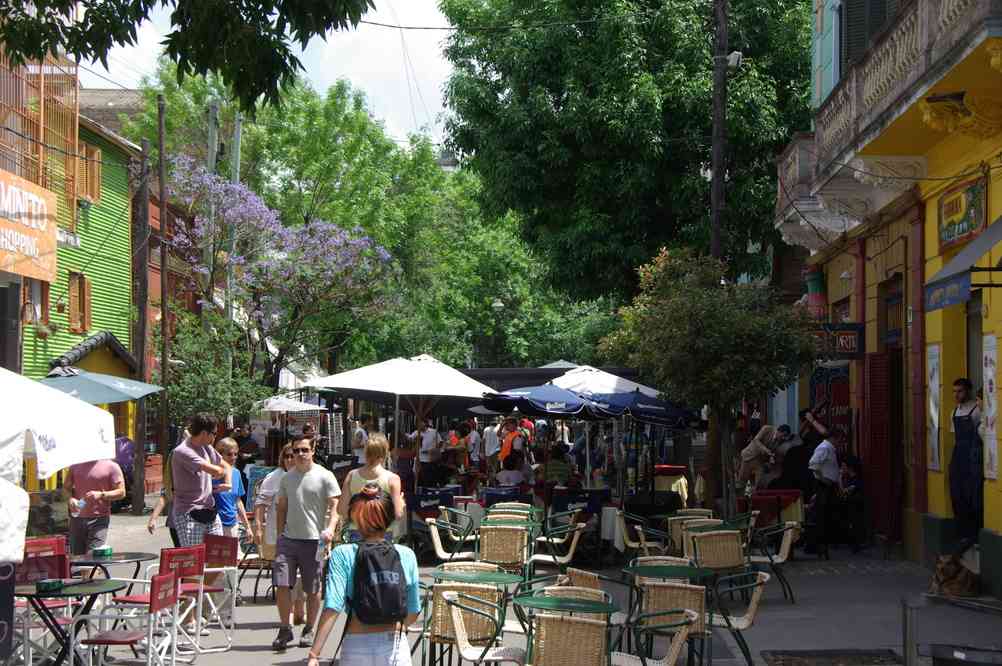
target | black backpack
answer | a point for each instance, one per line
(379, 589)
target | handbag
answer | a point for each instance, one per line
(204, 516)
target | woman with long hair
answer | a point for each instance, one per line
(371, 511)
(376, 451)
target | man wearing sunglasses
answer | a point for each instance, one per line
(306, 516)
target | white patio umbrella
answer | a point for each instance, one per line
(587, 380)
(285, 404)
(61, 431)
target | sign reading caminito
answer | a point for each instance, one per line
(27, 228)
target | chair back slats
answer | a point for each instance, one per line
(221, 551)
(722, 549)
(565, 640)
(479, 630)
(470, 567)
(163, 592)
(659, 561)
(185, 562)
(572, 592)
(658, 596)
(505, 546)
(582, 578)
(686, 536)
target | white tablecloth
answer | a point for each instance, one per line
(610, 527)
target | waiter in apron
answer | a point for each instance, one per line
(966, 474)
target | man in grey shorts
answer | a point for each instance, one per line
(306, 515)
(92, 487)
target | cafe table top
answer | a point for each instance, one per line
(88, 588)
(477, 577)
(564, 604)
(125, 557)
(668, 571)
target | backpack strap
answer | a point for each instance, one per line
(347, 603)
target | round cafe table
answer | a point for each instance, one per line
(102, 562)
(477, 577)
(87, 590)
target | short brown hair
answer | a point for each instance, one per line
(377, 448)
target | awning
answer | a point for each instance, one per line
(953, 284)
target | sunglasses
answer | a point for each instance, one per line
(302, 452)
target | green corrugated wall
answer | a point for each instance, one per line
(104, 256)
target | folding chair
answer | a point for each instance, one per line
(44, 557)
(221, 559)
(158, 630)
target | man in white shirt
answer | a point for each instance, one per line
(475, 444)
(492, 447)
(430, 442)
(360, 438)
(824, 465)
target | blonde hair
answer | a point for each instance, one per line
(227, 443)
(377, 448)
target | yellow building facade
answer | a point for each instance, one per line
(898, 194)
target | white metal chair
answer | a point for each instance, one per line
(790, 532)
(440, 551)
(736, 624)
(553, 559)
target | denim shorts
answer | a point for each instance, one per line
(387, 648)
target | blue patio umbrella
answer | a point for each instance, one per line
(546, 400)
(97, 388)
(644, 408)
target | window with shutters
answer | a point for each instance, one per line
(79, 297)
(89, 173)
(34, 302)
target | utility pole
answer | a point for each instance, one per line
(164, 277)
(208, 251)
(141, 270)
(717, 196)
(718, 157)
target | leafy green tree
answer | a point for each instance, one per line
(248, 42)
(200, 380)
(592, 120)
(706, 341)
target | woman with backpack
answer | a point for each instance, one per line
(376, 583)
(376, 450)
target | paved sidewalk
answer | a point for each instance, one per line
(849, 602)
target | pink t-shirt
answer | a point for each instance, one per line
(97, 475)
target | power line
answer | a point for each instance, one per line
(505, 27)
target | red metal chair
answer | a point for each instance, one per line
(44, 557)
(222, 558)
(158, 630)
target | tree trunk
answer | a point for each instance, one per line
(727, 453)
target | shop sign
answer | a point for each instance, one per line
(963, 212)
(27, 228)
(842, 341)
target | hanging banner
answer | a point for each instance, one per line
(933, 380)
(989, 406)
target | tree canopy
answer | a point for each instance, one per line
(249, 43)
(592, 121)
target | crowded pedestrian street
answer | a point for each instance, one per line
(516, 332)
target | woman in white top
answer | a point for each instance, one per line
(376, 451)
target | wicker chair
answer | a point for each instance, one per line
(559, 561)
(695, 513)
(686, 537)
(518, 506)
(470, 567)
(579, 578)
(440, 550)
(657, 561)
(633, 534)
(563, 640)
(723, 551)
(506, 546)
(439, 629)
(554, 523)
(668, 602)
(790, 532)
(462, 528)
(678, 641)
(743, 583)
(460, 606)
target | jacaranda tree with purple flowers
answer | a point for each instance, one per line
(299, 291)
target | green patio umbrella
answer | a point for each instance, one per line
(97, 388)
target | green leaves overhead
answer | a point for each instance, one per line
(247, 42)
(594, 125)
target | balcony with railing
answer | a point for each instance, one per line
(926, 39)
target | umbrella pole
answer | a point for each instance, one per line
(587, 455)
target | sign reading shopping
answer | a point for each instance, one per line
(963, 212)
(27, 228)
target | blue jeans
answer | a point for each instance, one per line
(388, 648)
